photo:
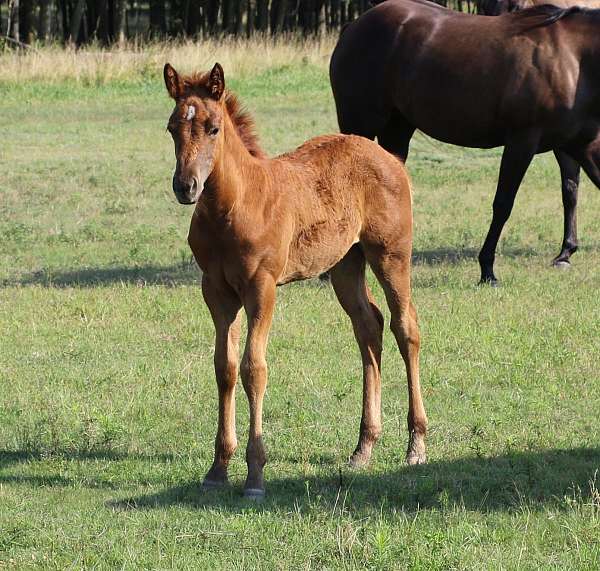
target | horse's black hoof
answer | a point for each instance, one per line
(561, 264)
(491, 282)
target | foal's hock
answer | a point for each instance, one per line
(335, 203)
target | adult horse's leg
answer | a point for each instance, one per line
(569, 172)
(224, 306)
(393, 272)
(589, 159)
(259, 303)
(396, 135)
(517, 156)
(348, 280)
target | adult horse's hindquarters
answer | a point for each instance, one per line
(335, 203)
(528, 81)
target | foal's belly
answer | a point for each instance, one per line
(317, 248)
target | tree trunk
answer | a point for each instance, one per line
(250, 15)
(192, 18)
(76, 21)
(321, 20)
(212, 15)
(228, 16)
(103, 32)
(45, 20)
(13, 20)
(279, 21)
(26, 8)
(120, 21)
(158, 22)
(239, 17)
(262, 15)
(334, 14)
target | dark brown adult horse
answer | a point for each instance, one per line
(528, 81)
(335, 203)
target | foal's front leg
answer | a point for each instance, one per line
(259, 302)
(224, 306)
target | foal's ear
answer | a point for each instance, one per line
(216, 82)
(172, 81)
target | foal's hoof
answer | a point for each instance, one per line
(358, 460)
(561, 264)
(414, 458)
(209, 484)
(254, 494)
(415, 454)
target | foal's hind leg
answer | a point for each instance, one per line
(393, 273)
(348, 280)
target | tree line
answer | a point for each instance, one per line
(115, 21)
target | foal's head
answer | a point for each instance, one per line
(196, 127)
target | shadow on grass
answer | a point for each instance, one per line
(188, 273)
(456, 255)
(169, 276)
(503, 483)
(10, 458)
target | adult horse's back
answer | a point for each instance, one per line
(528, 81)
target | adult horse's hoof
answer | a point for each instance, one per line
(254, 494)
(491, 282)
(561, 264)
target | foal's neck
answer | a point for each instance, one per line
(232, 170)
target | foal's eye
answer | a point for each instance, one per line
(213, 131)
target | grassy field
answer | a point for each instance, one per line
(107, 397)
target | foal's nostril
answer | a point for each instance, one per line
(181, 187)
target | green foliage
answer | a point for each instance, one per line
(106, 385)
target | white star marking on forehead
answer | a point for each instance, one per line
(191, 112)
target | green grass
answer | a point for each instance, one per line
(107, 397)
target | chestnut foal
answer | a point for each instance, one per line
(335, 203)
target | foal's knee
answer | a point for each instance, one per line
(406, 331)
(251, 369)
(226, 373)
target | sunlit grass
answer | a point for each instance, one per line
(107, 397)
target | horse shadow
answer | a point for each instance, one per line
(37, 479)
(187, 273)
(183, 273)
(537, 479)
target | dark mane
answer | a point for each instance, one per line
(242, 120)
(541, 16)
(244, 124)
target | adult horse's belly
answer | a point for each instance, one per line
(451, 107)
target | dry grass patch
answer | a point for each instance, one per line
(95, 65)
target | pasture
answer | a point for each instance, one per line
(107, 394)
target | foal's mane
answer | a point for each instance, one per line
(242, 120)
(544, 15)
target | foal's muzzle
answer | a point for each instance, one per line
(187, 192)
